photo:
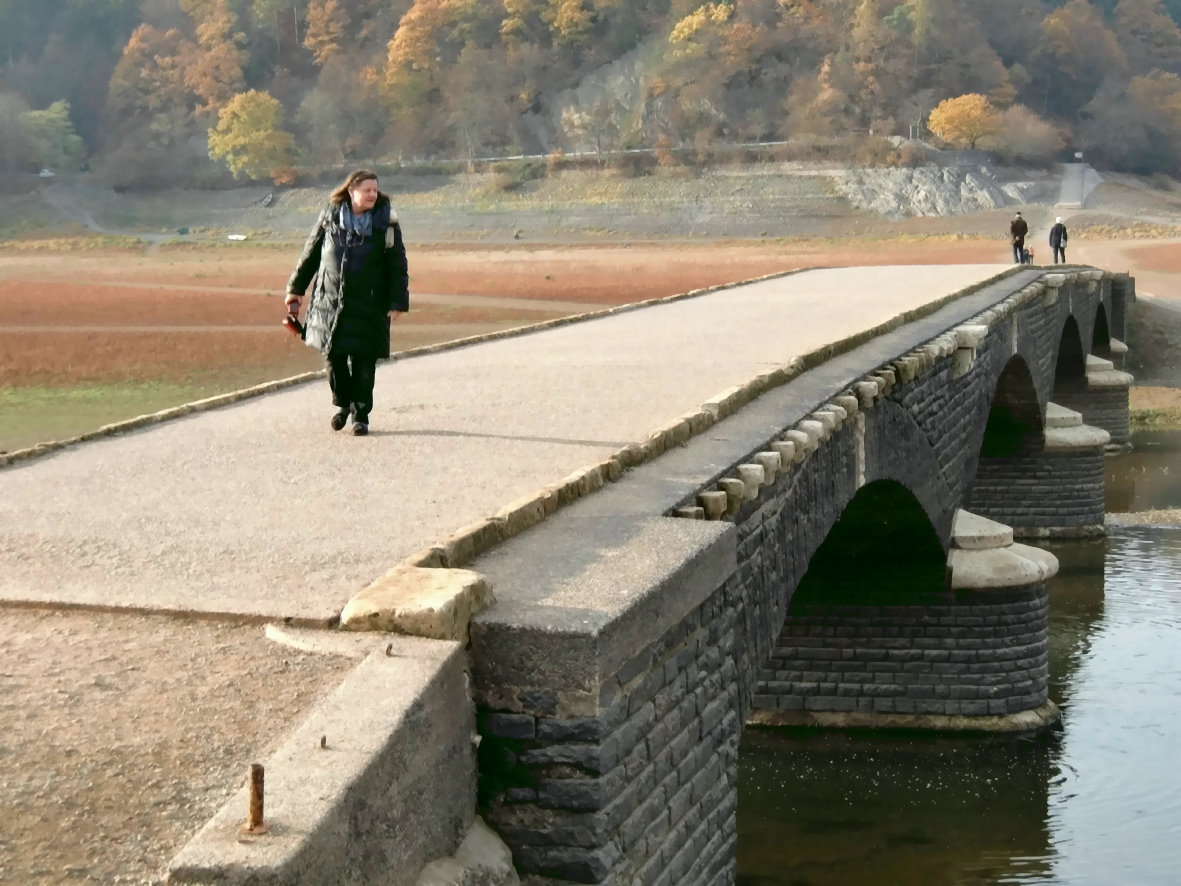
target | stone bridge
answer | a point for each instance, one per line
(830, 542)
(839, 552)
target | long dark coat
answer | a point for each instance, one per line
(1058, 235)
(358, 281)
(1017, 231)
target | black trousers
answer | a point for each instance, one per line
(1018, 247)
(351, 379)
(1059, 253)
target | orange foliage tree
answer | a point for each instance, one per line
(214, 69)
(327, 29)
(965, 120)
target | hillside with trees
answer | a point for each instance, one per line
(148, 92)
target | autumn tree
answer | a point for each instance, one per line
(1025, 137)
(326, 29)
(523, 22)
(965, 120)
(147, 91)
(1078, 51)
(432, 33)
(249, 137)
(476, 94)
(339, 117)
(15, 150)
(1149, 37)
(883, 68)
(1136, 126)
(569, 20)
(214, 68)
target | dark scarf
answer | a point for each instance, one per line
(361, 225)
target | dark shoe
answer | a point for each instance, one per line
(339, 420)
(360, 429)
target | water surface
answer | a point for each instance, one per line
(1097, 803)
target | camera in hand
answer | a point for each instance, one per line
(292, 324)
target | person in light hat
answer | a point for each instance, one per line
(1058, 240)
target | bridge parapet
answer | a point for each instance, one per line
(627, 650)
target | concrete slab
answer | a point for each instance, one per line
(259, 510)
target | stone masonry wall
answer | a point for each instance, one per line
(1103, 407)
(974, 654)
(643, 793)
(641, 789)
(1041, 490)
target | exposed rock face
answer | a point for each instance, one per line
(931, 190)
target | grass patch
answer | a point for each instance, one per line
(32, 415)
(1167, 418)
(1132, 231)
(87, 242)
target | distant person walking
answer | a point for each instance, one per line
(357, 258)
(1018, 228)
(1058, 240)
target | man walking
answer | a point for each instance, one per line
(1017, 231)
(1058, 240)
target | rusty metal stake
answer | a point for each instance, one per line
(254, 821)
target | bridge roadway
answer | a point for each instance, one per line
(259, 510)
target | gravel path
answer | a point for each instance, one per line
(120, 733)
(259, 509)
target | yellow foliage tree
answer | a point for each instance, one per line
(569, 21)
(250, 139)
(965, 120)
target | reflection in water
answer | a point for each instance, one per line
(1094, 804)
(1149, 477)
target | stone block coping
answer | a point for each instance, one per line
(376, 782)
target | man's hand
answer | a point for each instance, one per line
(394, 315)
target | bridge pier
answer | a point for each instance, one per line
(609, 743)
(972, 658)
(1102, 400)
(1052, 487)
(627, 652)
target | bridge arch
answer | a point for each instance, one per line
(1070, 369)
(1014, 422)
(1101, 336)
(610, 713)
(883, 532)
